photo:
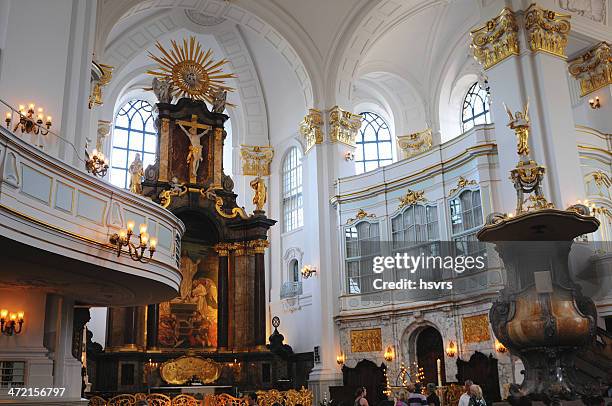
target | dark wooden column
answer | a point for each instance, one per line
(223, 296)
(259, 247)
(130, 327)
(152, 326)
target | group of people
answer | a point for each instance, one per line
(414, 396)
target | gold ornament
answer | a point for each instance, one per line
(476, 329)
(368, 340)
(260, 193)
(496, 40)
(343, 126)
(310, 128)
(461, 183)
(414, 144)
(547, 30)
(193, 72)
(411, 197)
(180, 370)
(520, 124)
(361, 214)
(593, 68)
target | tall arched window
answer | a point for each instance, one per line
(292, 190)
(466, 219)
(134, 133)
(475, 108)
(374, 147)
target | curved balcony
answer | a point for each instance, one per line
(55, 226)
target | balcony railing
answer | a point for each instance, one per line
(47, 205)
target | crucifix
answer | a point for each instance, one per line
(195, 149)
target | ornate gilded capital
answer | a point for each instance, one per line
(343, 126)
(258, 246)
(496, 40)
(311, 128)
(593, 68)
(547, 30)
(239, 248)
(415, 143)
(256, 159)
(411, 197)
(223, 248)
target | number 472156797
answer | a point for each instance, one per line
(36, 392)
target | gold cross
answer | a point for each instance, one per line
(193, 123)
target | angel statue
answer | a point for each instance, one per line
(163, 90)
(219, 101)
(520, 124)
(136, 173)
(259, 198)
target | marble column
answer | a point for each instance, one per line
(522, 54)
(152, 326)
(259, 247)
(222, 289)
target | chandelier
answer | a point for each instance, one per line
(136, 251)
(28, 123)
(96, 163)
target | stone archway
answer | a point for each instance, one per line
(423, 345)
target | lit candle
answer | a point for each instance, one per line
(3, 313)
(143, 228)
(31, 106)
(94, 152)
(9, 115)
(144, 239)
(13, 317)
(153, 244)
(130, 224)
(49, 120)
(20, 316)
(122, 234)
(40, 110)
(439, 365)
(21, 108)
(40, 117)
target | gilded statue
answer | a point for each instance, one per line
(520, 124)
(259, 198)
(136, 173)
(195, 149)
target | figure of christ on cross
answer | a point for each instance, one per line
(195, 149)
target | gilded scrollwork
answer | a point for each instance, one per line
(415, 143)
(343, 126)
(311, 128)
(180, 370)
(361, 214)
(496, 40)
(461, 184)
(412, 197)
(593, 69)
(547, 30)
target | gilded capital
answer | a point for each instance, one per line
(415, 143)
(496, 40)
(258, 246)
(256, 159)
(223, 249)
(593, 69)
(547, 30)
(343, 126)
(311, 128)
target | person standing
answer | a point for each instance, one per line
(476, 398)
(415, 398)
(360, 397)
(432, 396)
(464, 400)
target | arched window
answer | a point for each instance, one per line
(466, 220)
(475, 108)
(374, 146)
(294, 269)
(362, 245)
(133, 133)
(292, 190)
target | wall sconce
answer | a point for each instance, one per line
(499, 347)
(389, 354)
(349, 156)
(9, 322)
(96, 163)
(150, 366)
(594, 103)
(451, 350)
(27, 122)
(136, 251)
(341, 358)
(307, 271)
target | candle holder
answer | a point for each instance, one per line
(11, 323)
(135, 251)
(96, 163)
(28, 122)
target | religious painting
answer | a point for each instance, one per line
(369, 340)
(476, 329)
(189, 321)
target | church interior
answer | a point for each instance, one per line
(306, 202)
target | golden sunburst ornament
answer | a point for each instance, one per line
(192, 72)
